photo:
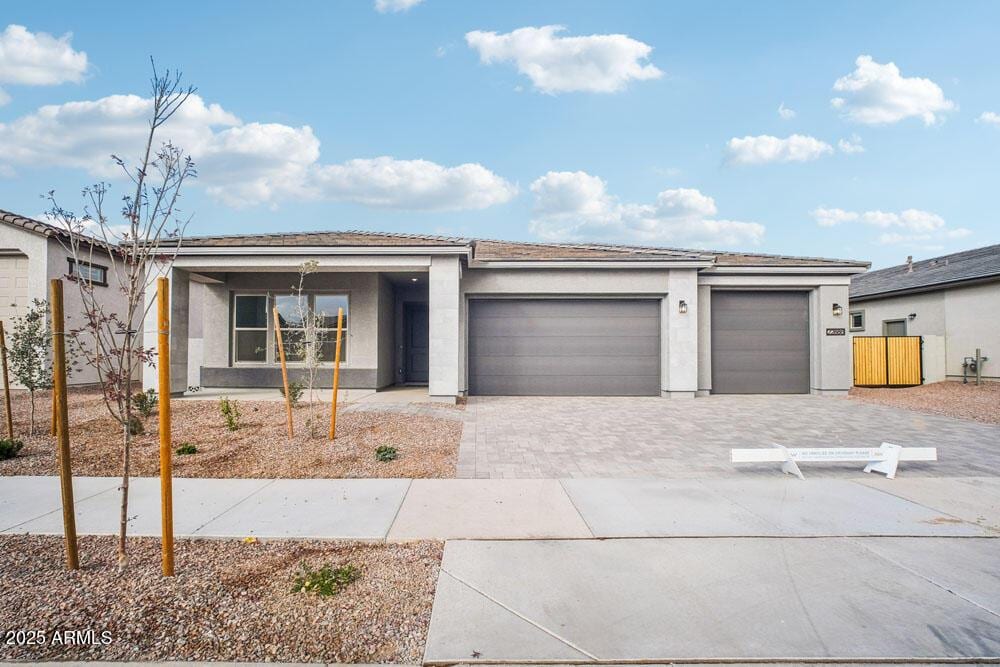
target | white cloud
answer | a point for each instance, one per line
(828, 217)
(395, 6)
(851, 146)
(785, 112)
(39, 59)
(575, 206)
(765, 148)
(910, 226)
(989, 118)
(877, 94)
(555, 64)
(240, 163)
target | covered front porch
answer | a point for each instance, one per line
(401, 323)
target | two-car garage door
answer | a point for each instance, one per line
(564, 347)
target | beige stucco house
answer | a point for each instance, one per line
(952, 302)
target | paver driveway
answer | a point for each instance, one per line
(654, 437)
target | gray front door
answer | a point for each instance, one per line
(564, 347)
(895, 327)
(417, 328)
(760, 342)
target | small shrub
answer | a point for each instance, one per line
(230, 412)
(385, 453)
(145, 402)
(186, 448)
(9, 448)
(135, 426)
(325, 581)
(295, 390)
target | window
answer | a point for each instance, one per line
(253, 323)
(857, 320)
(894, 328)
(95, 274)
(250, 328)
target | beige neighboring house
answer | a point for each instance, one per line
(33, 252)
(952, 301)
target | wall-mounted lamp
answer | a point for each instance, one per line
(838, 310)
(682, 307)
(912, 316)
(413, 280)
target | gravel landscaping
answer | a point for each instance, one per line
(953, 399)
(427, 446)
(230, 600)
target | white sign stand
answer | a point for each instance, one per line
(884, 459)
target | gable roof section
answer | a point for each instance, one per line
(929, 274)
(47, 230)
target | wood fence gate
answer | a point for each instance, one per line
(888, 361)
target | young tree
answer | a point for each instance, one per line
(30, 353)
(144, 240)
(304, 340)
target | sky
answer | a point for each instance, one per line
(853, 129)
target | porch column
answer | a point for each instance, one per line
(444, 292)
(680, 335)
(180, 285)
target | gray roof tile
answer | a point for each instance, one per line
(928, 274)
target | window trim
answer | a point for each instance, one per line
(851, 315)
(73, 263)
(271, 351)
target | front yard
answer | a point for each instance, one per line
(952, 399)
(231, 600)
(426, 446)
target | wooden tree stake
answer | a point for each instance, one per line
(284, 372)
(166, 468)
(62, 423)
(6, 383)
(336, 373)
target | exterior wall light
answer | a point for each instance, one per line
(682, 307)
(838, 310)
(912, 316)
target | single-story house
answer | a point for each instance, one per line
(480, 317)
(31, 254)
(952, 302)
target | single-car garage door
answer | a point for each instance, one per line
(564, 347)
(760, 342)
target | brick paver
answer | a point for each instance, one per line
(507, 437)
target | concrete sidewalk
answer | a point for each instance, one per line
(401, 509)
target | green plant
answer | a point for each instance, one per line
(295, 391)
(9, 448)
(385, 453)
(145, 402)
(230, 412)
(186, 448)
(327, 580)
(135, 426)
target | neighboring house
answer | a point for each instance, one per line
(468, 317)
(953, 302)
(32, 253)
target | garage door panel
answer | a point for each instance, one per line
(570, 366)
(530, 346)
(580, 385)
(760, 342)
(560, 327)
(564, 347)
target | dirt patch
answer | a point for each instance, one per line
(229, 601)
(427, 446)
(952, 399)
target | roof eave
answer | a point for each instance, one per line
(934, 287)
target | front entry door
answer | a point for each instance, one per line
(417, 327)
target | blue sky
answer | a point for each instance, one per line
(653, 123)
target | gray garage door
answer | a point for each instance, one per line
(564, 347)
(760, 343)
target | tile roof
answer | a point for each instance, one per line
(485, 250)
(928, 274)
(46, 229)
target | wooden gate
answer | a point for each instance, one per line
(888, 361)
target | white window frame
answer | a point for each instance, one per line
(271, 352)
(851, 315)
